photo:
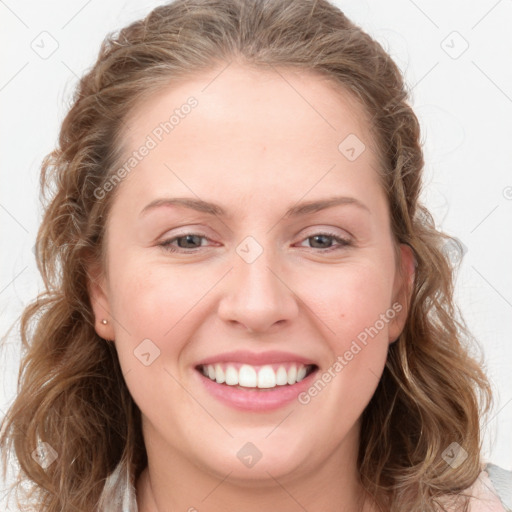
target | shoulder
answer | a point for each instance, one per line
(492, 490)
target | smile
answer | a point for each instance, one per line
(256, 382)
(263, 377)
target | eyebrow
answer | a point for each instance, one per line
(214, 209)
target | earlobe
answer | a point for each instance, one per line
(96, 287)
(402, 290)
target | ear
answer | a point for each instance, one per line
(402, 290)
(96, 286)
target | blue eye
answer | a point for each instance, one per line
(190, 242)
(190, 238)
(323, 237)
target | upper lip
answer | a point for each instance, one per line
(256, 359)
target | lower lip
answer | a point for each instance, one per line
(256, 399)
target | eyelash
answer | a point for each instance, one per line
(166, 245)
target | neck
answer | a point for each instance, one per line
(333, 486)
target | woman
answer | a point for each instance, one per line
(247, 307)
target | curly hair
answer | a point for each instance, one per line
(71, 390)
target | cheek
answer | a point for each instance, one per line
(155, 310)
(353, 307)
(160, 303)
(349, 303)
(348, 299)
(151, 299)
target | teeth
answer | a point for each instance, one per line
(264, 377)
(281, 376)
(247, 376)
(219, 374)
(292, 375)
(231, 375)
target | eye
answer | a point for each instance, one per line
(185, 241)
(323, 241)
(189, 242)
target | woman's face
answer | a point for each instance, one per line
(230, 253)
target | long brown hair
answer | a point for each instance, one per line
(71, 391)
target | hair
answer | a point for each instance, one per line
(71, 391)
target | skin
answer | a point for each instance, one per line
(257, 143)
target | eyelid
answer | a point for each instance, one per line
(327, 230)
(167, 240)
(181, 231)
(341, 242)
(323, 227)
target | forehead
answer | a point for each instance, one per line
(249, 130)
(270, 98)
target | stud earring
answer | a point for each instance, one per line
(104, 321)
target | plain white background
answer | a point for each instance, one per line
(456, 60)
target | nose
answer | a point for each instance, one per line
(257, 295)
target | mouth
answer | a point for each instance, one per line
(265, 377)
(255, 382)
